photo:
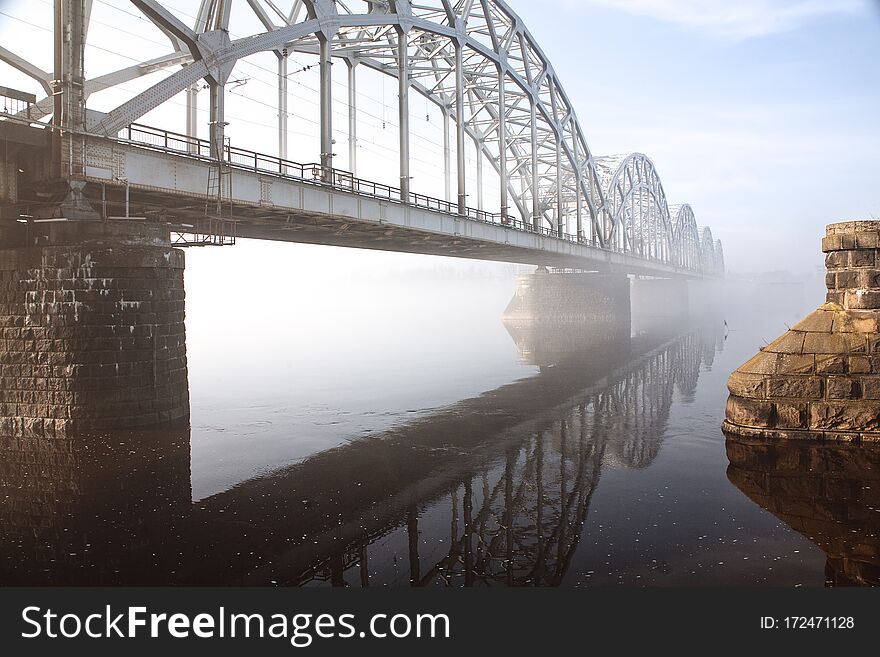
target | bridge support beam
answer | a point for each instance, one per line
(69, 118)
(403, 111)
(589, 299)
(92, 327)
(282, 103)
(447, 158)
(579, 206)
(478, 147)
(326, 92)
(502, 142)
(459, 130)
(560, 202)
(218, 119)
(192, 116)
(536, 187)
(352, 116)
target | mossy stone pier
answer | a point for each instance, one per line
(821, 379)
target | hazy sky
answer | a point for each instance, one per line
(763, 114)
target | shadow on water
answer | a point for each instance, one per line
(829, 493)
(490, 490)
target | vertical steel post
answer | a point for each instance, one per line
(223, 10)
(218, 99)
(478, 145)
(594, 220)
(560, 217)
(203, 19)
(282, 103)
(58, 89)
(218, 122)
(459, 129)
(403, 111)
(447, 166)
(578, 181)
(326, 93)
(536, 200)
(502, 141)
(352, 117)
(192, 117)
(69, 88)
(632, 216)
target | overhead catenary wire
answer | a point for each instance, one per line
(361, 140)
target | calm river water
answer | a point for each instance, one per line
(394, 432)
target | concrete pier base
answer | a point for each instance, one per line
(92, 329)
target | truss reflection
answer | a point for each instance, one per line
(492, 490)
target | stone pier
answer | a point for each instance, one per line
(92, 332)
(660, 297)
(565, 319)
(582, 297)
(821, 379)
(659, 305)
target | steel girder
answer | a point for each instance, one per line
(476, 61)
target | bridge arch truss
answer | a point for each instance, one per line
(474, 59)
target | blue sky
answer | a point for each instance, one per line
(763, 114)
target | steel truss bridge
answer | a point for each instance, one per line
(474, 60)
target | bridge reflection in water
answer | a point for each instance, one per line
(492, 490)
(830, 493)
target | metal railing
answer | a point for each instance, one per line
(314, 173)
(17, 104)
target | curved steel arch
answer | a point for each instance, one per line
(719, 258)
(707, 250)
(686, 237)
(486, 70)
(636, 205)
(474, 59)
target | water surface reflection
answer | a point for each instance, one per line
(491, 490)
(829, 493)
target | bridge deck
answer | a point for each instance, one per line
(273, 199)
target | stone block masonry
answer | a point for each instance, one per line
(92, 337)
(572, 298)
(821, 379)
